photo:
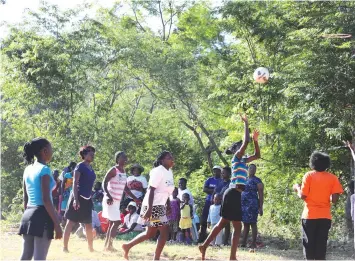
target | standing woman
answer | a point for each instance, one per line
(115, 184)
(231, 209)
(156, 205)
(40, 220)
(80, 203)
(252, 206)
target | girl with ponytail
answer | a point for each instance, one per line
(156, 204)
(40, 219)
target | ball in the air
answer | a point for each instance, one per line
(261, 75)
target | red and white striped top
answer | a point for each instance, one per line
(116, 185)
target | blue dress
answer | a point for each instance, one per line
(250, 201)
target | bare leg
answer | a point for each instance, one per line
(149, 233)
(227, 232)
(216, 229)
(161, 242)
(89, 237)
(246, 228)
(112, 234)
(67, 230)
(237, 225)
(108, 234)
(254, 233)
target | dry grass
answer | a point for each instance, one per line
(11, 246)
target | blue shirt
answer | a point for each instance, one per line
(32, 177)
(86, 181)
(211, 183)
(221, 185)
(239, 171)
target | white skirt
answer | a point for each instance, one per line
(111, 212)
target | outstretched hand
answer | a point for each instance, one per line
(350, 146)
(244, 118)
(255, 135)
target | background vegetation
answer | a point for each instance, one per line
(115, 82)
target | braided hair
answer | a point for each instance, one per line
(117, 155)
(32, 149)
(160, 157)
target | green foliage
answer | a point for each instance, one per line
(115, 83)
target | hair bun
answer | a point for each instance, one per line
(28, 148)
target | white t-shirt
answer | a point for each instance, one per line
(163, 181)
(135, 183)
(130, 221)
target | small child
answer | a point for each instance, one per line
(213, 218)
(186, 218)
(174, 216)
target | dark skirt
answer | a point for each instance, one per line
(35, 220)
(83, 214)
(231, 208)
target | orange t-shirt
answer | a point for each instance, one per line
(318, 187)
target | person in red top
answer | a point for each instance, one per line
(318, 190)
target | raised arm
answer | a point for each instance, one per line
(245, 143)
(350, 146)
(256, 147)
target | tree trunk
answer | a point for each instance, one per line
(213, 143)
(205, 152)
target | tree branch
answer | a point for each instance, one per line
(162, 19)
(135, 15)
(171, 19)
(138, 99)
(199, 140)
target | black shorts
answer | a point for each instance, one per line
(231, 208)
(83, 214)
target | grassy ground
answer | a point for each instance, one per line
(11, 245)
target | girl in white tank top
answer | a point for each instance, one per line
(114, 185)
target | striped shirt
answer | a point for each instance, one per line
(239, 171)
(116, 185)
